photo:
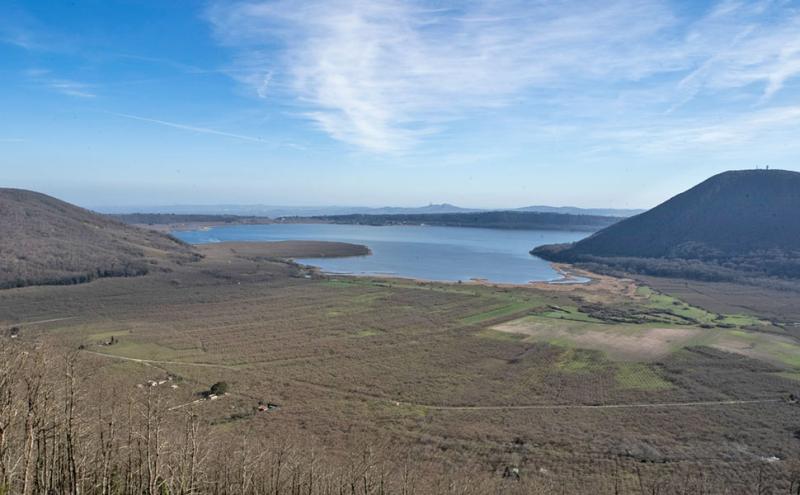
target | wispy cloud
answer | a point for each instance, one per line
(45, 78)
(20, 29)
(185, 127)
(174, 64)
(384, 74)
(743, 43)
(693, 134)
(71, 88)
(17, 35)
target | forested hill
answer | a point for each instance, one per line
(489, 219)
(174, 218)
(746, 220)
(46, 241)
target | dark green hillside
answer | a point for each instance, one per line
(746, 220)
(181, 218)
(46, 241)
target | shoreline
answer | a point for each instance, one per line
(538, 284)
(167, 228)
(569, 277)
(189, 226)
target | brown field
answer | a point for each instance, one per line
(454, 376)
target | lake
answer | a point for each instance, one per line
(425, 252)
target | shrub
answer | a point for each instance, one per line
(219, 388)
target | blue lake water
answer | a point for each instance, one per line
(424, 252)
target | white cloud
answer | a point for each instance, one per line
(384, 74)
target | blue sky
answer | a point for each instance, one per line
(482, 103)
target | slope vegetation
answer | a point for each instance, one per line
(47, 241)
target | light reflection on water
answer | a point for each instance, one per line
(424, 252)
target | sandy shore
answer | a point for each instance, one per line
(595, 283)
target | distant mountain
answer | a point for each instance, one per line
(738, 221)
(483, 219)
(46, 241)
(572, 210)
(318, 211)
(421, 210)
(283, 211)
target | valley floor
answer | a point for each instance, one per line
(611, 385)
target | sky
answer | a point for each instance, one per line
(479, 103)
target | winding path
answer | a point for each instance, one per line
(154, 361)
(51, 320)
(477, 408)
(595, 406)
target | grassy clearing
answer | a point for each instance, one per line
(579, 360)
(622, 342)
(637, 376)
(488, 333)
(788, 353)
(627, 375)
(775, 349)
(663, 302)
(648, 342)
(506, 310)
(659, 326)
(669, 304)
(740, 320)
(105, 336)
(568, 312)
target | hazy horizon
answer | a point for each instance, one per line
(207, 207)
(343, 205)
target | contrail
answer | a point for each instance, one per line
(185, 127)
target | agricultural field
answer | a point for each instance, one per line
(565, 385)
